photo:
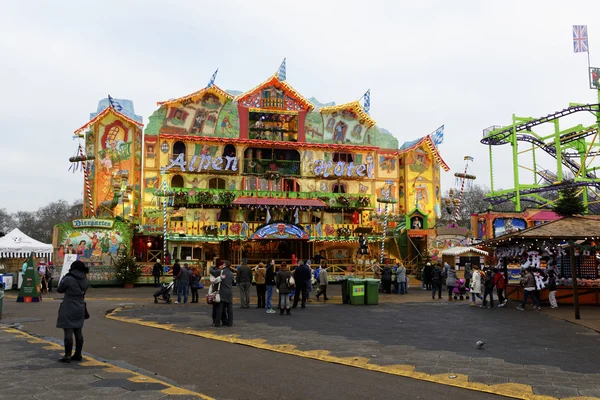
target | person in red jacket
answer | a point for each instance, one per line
(500, 284)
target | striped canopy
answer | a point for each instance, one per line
(16, 244)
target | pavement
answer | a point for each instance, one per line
(29, 370)
(407, 344)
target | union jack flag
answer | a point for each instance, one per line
(580, 39)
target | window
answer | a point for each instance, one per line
(338, 188)
(177, 181)
(216, 183)
(254, 183)
(178, 148)
(345, 157)
(229, 150)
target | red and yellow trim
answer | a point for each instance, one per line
(428, 142)
(274, 81)
(353, 106)
(106, 111)
(217, 91)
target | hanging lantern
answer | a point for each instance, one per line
(164, 147)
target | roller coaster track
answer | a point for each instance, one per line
(504, 133)
(524, 192)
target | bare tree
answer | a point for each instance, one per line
(7, 222)
(40, 224)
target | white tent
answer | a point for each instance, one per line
(457, 251)
(16, 244)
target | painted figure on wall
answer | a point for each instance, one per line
(503, 226)
(339, 135)
(387, 163)
(330, 124)
(416, 223)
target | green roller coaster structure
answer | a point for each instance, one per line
(571, 148)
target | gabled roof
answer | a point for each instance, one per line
(428, 142)
(106, 111)
(417, 209)
(214, 89)
(355, 107)
(274, 81)
(576, 227)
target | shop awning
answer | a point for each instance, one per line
(274, 201)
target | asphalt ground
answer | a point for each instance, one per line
(215, 368)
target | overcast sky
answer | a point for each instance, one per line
(465, 64)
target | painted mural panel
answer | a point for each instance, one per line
(92, 244)
(114, 163)
(314, 127)
(503, 226)
(207, 115)
(343, 127)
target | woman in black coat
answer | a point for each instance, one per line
(71, 314)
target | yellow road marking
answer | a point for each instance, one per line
(90, 362)
(514, 390)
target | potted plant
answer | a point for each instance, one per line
(128, 271)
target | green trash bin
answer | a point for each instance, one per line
(372, 291)
(356, 291)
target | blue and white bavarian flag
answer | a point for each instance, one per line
(367, 101)
(114, 104)
(281, 74)
(268, 219)
(211, 82)
(296, 219)
(438, 136)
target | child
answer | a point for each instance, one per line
(551, 282)
(488, 289)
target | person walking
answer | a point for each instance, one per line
(72, 311)
(450, 281)
(49, 275)
(386, 279)
(428, 276)
(183, 281)
(551, 283)
(270, 282)
(476, 285)
(215, 280)
(176, 271)
(156, 273)
(488, 290)
(261, 288)
(302, 275)
(194, 281)
(436, 281)
(323, 282)
(282, 282)
(401, 278)
(244, 281)
(225, 306)
(500, 284)
(528, 283)
(468, 274)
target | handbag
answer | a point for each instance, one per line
(291, 281)
(213, 295)
(87, 314)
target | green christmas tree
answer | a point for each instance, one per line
(569, 203)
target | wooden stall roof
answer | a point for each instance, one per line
(568, 228)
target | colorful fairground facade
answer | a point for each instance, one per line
(262, 174)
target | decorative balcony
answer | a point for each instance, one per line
(254, 166)
(190, 197)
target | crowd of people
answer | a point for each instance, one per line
(292, 284)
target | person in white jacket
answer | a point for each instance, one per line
(476, 285)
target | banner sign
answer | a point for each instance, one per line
(93, 223)
(205, 162)
(69, 259)
(280, 231)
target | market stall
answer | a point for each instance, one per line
(15, 248)
(568, 245)
(459, 256)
